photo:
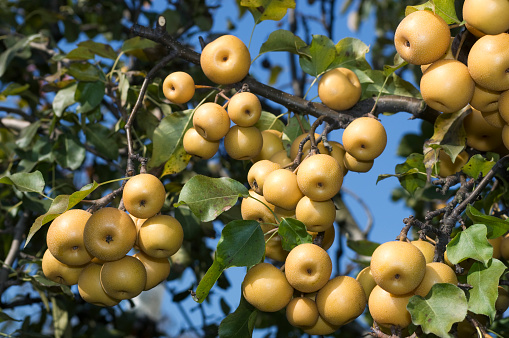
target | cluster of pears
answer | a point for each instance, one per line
(398, 271)
(447, 84)
(224, 61)
(304, 194)
(314, 302)
(92, 249)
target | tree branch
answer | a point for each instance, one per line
(389, 103)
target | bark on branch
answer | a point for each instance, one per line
(390, 103)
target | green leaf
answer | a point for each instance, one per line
(27, 134)
(318, 56)
(478, 165)
(268, 9)
(445, 305)
(101, 138)
(293, 232)
(269, 121)
(496, 226)
(282, 40)
(470, 243)
(98, 48)
(293, 129)
(208, 197)
(167, 139)
(27, 182)
(177, 162)
(84, 72)
(412, 173)
(60, 315)
(68, 151)
(59, 205)
(376, 82)
(363, 247)
(80, 54)
(4, 317)
(89, 95)
(9, 54)
(14, 89)
(449, 135)
(137, 43)
(64, 98)
(241, 244)
(351, 53)
(484, 279)
(444, 8)
(240, 323)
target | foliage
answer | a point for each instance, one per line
(83, 108)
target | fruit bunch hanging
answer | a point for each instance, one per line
(92, 249)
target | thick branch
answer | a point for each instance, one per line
(389, 103)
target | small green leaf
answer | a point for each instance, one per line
(484, 279)
(98, 48)
(444, 8)
(89, 95)
(351, 53)
(68, 151)
(318, 56)
(445, 305)
(293, 232)
(293, 129)
(240, 323)
(9, 54)
(208, 197)
(60, 315)
(496, 226)
(4, 317)
(27, 134)
(449, 134)
(470, 243)
(282, 40)
(59, 205)
(167, 140)
(137, 43)
(63, 99)
(478, 165)
(84, 72)
(80, 54)
(27, 182)
(103, 140)
(269, 121)
(14, 89)
(241, 244)
(363, 247)
(268, 9)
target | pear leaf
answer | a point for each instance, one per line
(208, 197)
(293, 232)
(241, 244)
(167, 139)
(470, 243)
(268, 9)
(240, 323)
(484, 279)
(282, 40)
(444, 305)
(496, 226)
(318, 56)
(478, 165)
(444, 8)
